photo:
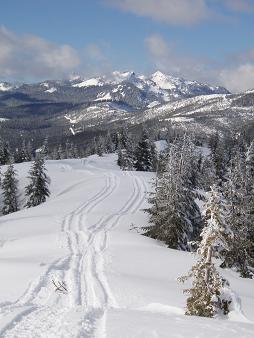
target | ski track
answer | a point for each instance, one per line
(82, 311)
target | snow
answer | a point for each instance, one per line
(165, 81)
(4, 87)
(51, 90)
(153, 104)
(119, 283)
(161, 145)
(90, 82)
(103, 96)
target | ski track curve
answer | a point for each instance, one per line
(45, 313)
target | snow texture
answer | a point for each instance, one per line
(118, 283)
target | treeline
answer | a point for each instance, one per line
(203, 201)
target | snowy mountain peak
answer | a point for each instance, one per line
(98, 81)
(122, 76)
(4, 86)
(164, 81)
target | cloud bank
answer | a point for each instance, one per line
(31, 58)
(176, 12)
(182, 12)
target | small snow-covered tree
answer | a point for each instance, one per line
(5, 155)
(45, 149)
(37, 190)
(61, 153)
(210, 293)
(10, 191)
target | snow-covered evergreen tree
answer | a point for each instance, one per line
(109, 144)
(61, 154)
(174, 215)
(145, 155)
(100, 146)
(37, 190)
(45, 149)
(210, 293)
(218, 155)
(10, 191)
(239, 192)
(126, 152)
(4, 152)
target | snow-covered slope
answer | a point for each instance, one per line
(90, 83)
(119, 283)
(204, 113)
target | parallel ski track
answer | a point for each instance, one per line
(82, 269)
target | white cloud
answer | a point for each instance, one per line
(184, 12)
(239, 5)
(32, 57)
(236, 75)
(176, 12)
(165, 57)
(239, 78)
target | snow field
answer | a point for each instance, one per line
(119, 283)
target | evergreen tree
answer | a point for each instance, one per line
(145, 154)
(210, 293)
(120, 160)
(4, 152)
(100, 146)
(238, 190)
(37, 190)
(61, 153)
(126, 156)
(218, 155)
(29, 149)
(45, 149)
(9, 191)
(109, 144)
(174, 215)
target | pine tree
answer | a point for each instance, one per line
(210, 293)
(37, 190)
(109, 144)
(120, 160)
(126, 152)
(239, 192)
(4, 152)
(44, 149)
(218, 155)
(145, 154)
(174, 215)
(100, 146)
(61, 153)
(9, 191)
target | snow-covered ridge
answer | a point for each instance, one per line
(89, 83)
(165, 86)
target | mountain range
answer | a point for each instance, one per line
(78, 104)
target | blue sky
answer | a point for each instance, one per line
(205, 40)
